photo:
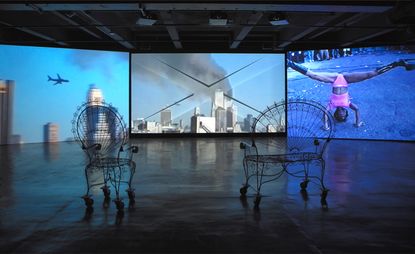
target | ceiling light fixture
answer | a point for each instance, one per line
(278, 19)
(218, 19)
(146, 20)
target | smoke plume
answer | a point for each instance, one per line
(149, 68)
(98, 60)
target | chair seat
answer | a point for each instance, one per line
(283, 158)
(111, 162)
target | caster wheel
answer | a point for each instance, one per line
(131, 204)
(324, 193)
(119, 204)
(107, 191)
(243, 190)
(304, 184)
(257, 201)
(119, 218)
(324, 205)
(89, 202)
(131, 194)
(88, 213)
(106, 203)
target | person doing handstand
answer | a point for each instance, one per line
(339, 98)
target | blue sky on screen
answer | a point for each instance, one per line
(37, 101)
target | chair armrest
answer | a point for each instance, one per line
(248, 148)
(245, 146)
(134, 149)
(96, 147)
(129, 151)
(91, 150)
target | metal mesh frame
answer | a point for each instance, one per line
(100, 130)
(99, 124)
(309, 130)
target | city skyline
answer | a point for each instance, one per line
(222, 119)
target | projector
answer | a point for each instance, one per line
(218, 19)
(147, 20)
(278, 19)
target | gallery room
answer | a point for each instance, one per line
(214, 127)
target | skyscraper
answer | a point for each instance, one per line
(99, 125)
(6, 110)
(196, 111)
(165, 117)
(218, 101)
(94, 95)
(50, 133)
(248, 121)
(220, 120)
(231, 116)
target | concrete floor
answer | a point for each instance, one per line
(187, 201)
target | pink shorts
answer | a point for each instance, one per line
(342, 100)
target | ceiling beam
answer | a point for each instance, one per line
(294, 7)
(342, 7)
(35, 33)
(100, 26)
(371, 27)
(367, 37)
(349, 21)
(171, 29)
(309, 30)
(244, 31)
(76, 24)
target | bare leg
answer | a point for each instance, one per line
(359, 76)
(358, 123)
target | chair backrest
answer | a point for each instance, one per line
(306, 128)
(99, 124)
(310, 126)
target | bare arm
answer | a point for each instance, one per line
(358, 123)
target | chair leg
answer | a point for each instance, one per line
(119, 204)
(87, 181)
(131, 190)
(257, 201)
(117, 181)
(88, 200)
(304, 184)
(132, 172)
(259, 175)
(244, 189)
(117, 178)
(324, 190)
(107, 191)
(131, 194)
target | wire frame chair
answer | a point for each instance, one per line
(100, 130)
(310, 128)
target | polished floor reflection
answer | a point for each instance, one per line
(187, 201)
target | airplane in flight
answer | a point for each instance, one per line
(57, 80)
